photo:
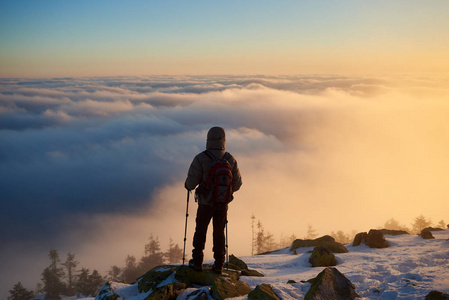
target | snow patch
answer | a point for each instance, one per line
(409, 269)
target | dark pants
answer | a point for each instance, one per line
(205, 213)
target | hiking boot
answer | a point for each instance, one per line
(195, 265)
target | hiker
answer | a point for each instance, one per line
(210, 204)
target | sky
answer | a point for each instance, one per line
(112, 38)
(335, 111)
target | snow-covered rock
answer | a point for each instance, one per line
(411, 268)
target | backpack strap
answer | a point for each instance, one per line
(226, 156)
(211, 156)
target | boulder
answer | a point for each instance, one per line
(435, 295)
(222, 286)
(263, 292)
(325, 238)
(203, 278)
(167, 282)
(331, 284)
(322, 257)
(152, 278)
(325, 241)
(167, 292)
(239, 265)
(393, 232)
(427, 235)
(359, 239)
(373, 239)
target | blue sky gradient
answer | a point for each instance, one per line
(175, 37)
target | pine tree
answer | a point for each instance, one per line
(53, 286)
(18, 292)
(174, 253)
(286, 241)
(260, 238)
(394, 225)
(253, 239)
(52, 278)
(114, 273)
(82, 284)
(153, 247)
(70, 264)
(39, 288)
(341, 237)
(420, 223)
(264, 241)
(311, 233)
(153, 255)
(96, 281)
(130, 272)
(270, 244)
(442, 224)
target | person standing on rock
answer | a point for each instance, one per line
(217, 176)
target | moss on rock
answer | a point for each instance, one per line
(167, 292)
(151, 279)
(322, 257)
(223, 288)
(226, 285)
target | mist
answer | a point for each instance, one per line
(93, 166)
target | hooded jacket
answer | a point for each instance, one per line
(199, 169)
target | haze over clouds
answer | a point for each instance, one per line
(89, 164)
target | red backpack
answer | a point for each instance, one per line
(219, 180)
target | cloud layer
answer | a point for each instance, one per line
(87, 161)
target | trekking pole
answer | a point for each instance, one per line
(227, 246)
(185, 232)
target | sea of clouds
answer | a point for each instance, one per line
(96, 165)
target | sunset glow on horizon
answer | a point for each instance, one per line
(114, 38)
